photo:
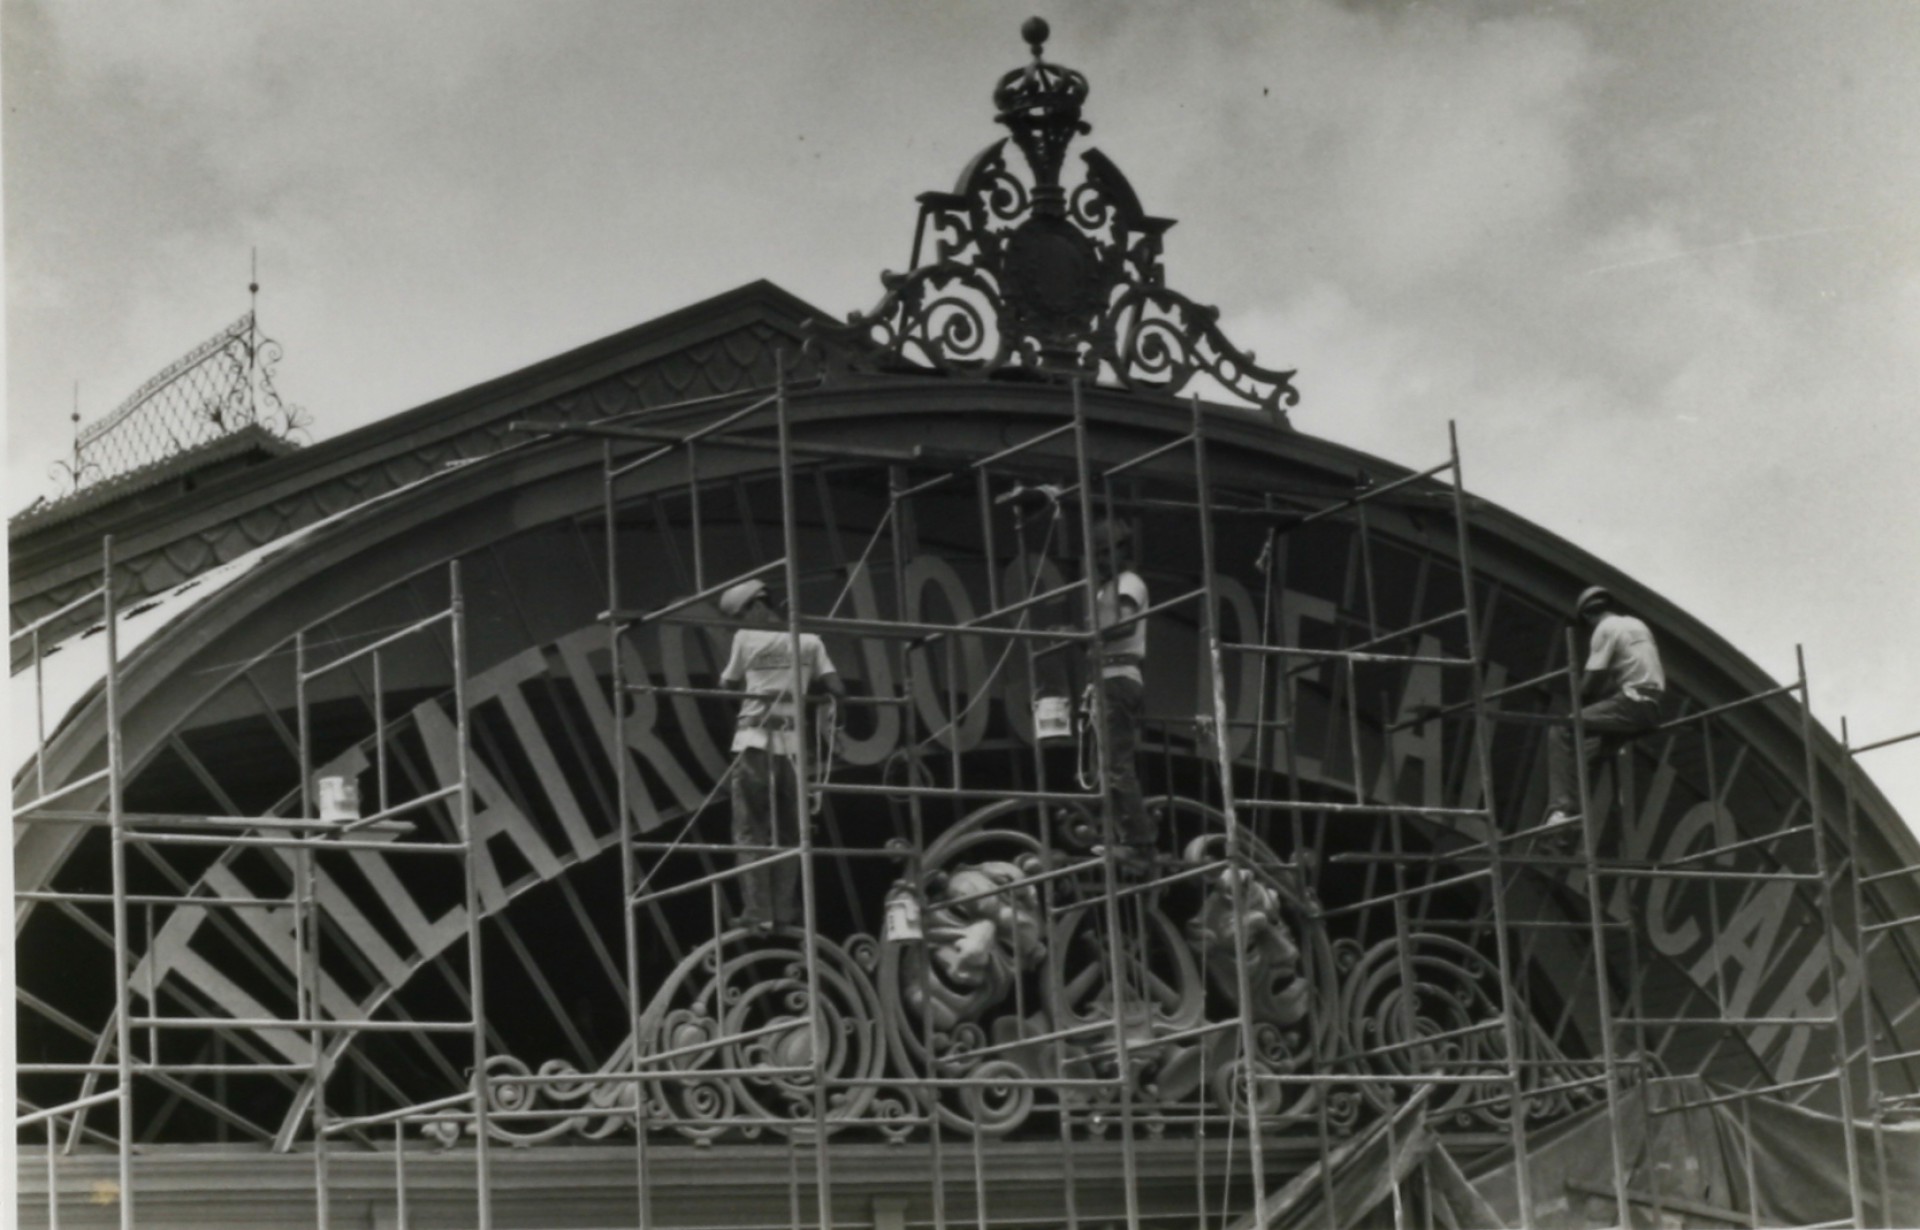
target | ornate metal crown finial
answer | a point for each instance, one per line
(1030, 277)
(1040, 105)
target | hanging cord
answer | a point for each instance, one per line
(1085, 753)
(859, 565)
(826, 740)
(660, 860)
(986, 686)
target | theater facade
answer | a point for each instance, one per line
(1352, 988)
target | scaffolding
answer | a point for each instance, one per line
(1882, 1108)
(1256, 837)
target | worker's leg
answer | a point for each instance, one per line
(1607, 723)
(1125, 703)
(788, 816)
(752, 806)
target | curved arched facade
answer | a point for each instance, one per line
(208, 720)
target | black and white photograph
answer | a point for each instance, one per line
(754, 615)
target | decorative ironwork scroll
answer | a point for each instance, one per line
(1020, 274)
(998, 1008)
(220, 387)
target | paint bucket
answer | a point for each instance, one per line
(1052, 719)
(903, 916)
(339, 798)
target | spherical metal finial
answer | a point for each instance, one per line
(1035, 30)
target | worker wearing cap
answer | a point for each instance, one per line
(1621, 692)
(1119, 656)
(765, 779)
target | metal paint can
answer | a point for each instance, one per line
(903, 916)
(339, 798)
(1052, 719)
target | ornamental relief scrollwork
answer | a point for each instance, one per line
(990, 1003)
(1017, 274)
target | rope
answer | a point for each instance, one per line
(860, 564)
(661, 858)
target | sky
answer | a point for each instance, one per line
(1660, 261)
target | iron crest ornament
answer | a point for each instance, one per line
(1022, 275)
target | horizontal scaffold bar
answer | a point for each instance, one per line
(1908, 921)
(692, 438)
(25, 811)
(238, 903)
(390, 1116)
(956, 792)
(681, 604)
(723, 847)
(1729, 1022)
(298, 1023)
(1804, 1082)
(1050, 434)
(1678, 1204)
(345, 659)
(1134, 890)
(1463, 1031)
(728, 873)
(65, 1108)
(738, 694)
(1407, 894)
(1731, 846)
(1717, 710)
(1357, 809)
(907, 630)
(143, 1068)
(1367, 1078)
(1876, 746)
(1423, 716)
(317, 842)
(1140, 459)
(1350, 655)
(153, 819)
(1026, 881)
(92, 595)
(1371, 494)
(764, 392)
(755, 444)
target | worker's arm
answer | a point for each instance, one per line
(1593, 677)
(1120, 627)
(831, 684)
(734, 674)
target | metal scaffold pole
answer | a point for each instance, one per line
(623, 812)
(1236, 855)
(1829, 935)
(1597, 933)
(803, 748)
(116, 815)
(1866, 936)
(1482, 736)
(1116, 972)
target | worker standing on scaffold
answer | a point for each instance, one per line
(1624, 670)
(767, 799)
(1119, 657)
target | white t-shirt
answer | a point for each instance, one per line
(1624, 648)
(1132, 645)
(763, 659)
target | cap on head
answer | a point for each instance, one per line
(1110, 531)
(1592, 596)
(737, 598)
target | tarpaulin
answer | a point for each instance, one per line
(1691, 1161)
(1800, 1165)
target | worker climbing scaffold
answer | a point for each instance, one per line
(1627, 682)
